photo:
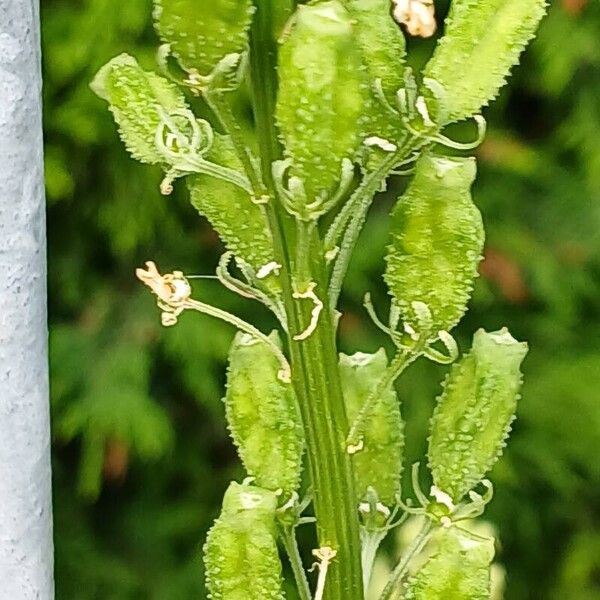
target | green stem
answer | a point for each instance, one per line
(314, 361)
(392, 589)
(288, 537)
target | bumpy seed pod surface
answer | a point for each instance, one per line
(459, 569)
(483, 41)
(263, 416)
(321, 95)
(201, 34)
(436, 243)
(135, 97)
(239, 221)
(383, 49)
(379, 463)
(240, 554)
(475, 411)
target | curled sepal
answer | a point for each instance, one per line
(237, 219)
(240, 553)
(475, 411)
(201, 35)
(263, 416)
(320, 97)
(482, 42)
(378, 462)
(458, 569)
(139, 100)
(436, 243)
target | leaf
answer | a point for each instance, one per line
(240, 554)
(263, 415)
(458, 569)
(239, 221)
(135, 98)
(482, 42)
(474, 414)
(436, 242)
(321, 95)
(202, 34)
(379, 463)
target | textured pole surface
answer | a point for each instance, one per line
(25, 490)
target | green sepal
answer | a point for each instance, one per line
(321, 95)
(263, 416)
(135, 98)
(202, 34)
(383, 49)
(240, 554)
(458, 569)
(436, 243)
(482, 42)
(238, 220)
(475, 411)
(379, 462)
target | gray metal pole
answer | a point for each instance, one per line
(26, 561)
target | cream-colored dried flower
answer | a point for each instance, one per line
(173, 290)
(417, 15)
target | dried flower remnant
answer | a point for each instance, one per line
(417, 15)
(172, 290)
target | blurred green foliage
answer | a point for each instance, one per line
(141, 453)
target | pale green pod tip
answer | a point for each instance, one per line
(263, 415)
(379, 462)
(201, 34)
(474, 414)
(482, 42)
(239, 498)
(437, 239)
(458, 569)
(240, 554)
(136, 99)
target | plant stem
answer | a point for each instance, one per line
(314, 361)
(288, 536)
(391, 590)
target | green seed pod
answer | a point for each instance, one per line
(320, 97)
(459, 569)
(379, 463)
(474, 414)
(381, 41)
(437, 238)
(201, 34)
(135, 98)
(239, 221)
(240, 554)
(483, 41)
(383, 50)
(263, 415)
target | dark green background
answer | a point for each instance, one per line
(141, 454)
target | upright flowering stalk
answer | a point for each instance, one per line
(336, 112)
